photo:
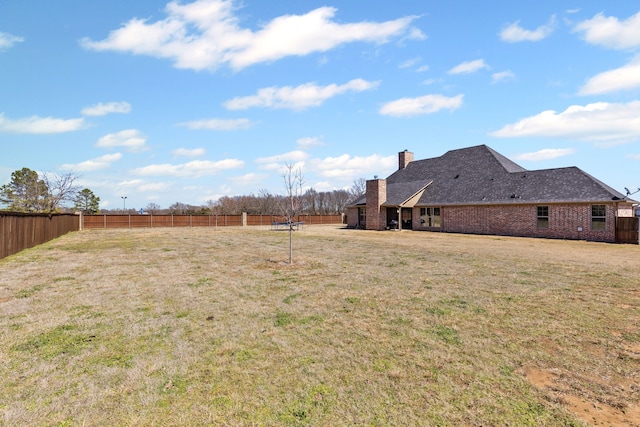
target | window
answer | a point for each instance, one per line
(598, 217)
(430, 217)
(362, 217)
(543, 216)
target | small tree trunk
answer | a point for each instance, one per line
(290, 243)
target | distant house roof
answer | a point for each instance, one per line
(480, 175)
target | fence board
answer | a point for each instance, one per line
(136, 221)
(20, 231)
(627, 230)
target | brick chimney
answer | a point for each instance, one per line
(404, 158)
(376, 196)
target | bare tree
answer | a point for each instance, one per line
(61, 188)
(292, 206)
(358, 188)
(310, 201)
(267, 202)
(29, 192)
(152, 208)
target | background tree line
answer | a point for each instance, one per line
(29, 191)
(311, 202)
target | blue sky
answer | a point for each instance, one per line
(182, 101)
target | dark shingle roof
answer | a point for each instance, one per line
(399, 192)
(362, 200)
(480, 175)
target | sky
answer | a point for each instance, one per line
(188, 101)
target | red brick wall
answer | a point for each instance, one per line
(404, 158)
(376, 196)
(352, 217)
(565, 221)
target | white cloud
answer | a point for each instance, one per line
(40, 125)
(186, 152)
(610, 32)
(276, 162)
(602, 123)
(514, 33)
(97, 163)
(129, 183)
(206, 34)
(545, 154)
(468, 67)
(310, 141)
(131, 139)
(218, 124)
(623, 78)
(405, 107)
(502, 76)
(422, 69)
(633, 156)
(299, 97)
(101, 109)
(8, 40)
(132, 186)
(348, 167)
(193, 169)
(323, 186)
(414, 34)
(153, 186)
(250, 179)
(409, 63)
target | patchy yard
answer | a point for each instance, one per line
(205, 327)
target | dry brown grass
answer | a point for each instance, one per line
(209, 327)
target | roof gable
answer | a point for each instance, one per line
(405, 193)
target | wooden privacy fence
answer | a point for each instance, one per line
(627, 230)
(151, 221)
(20, 231)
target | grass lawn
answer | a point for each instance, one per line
(191, 327)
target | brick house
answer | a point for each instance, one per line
(477, 190)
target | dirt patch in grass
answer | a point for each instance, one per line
(204, 327)
(604, 410)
